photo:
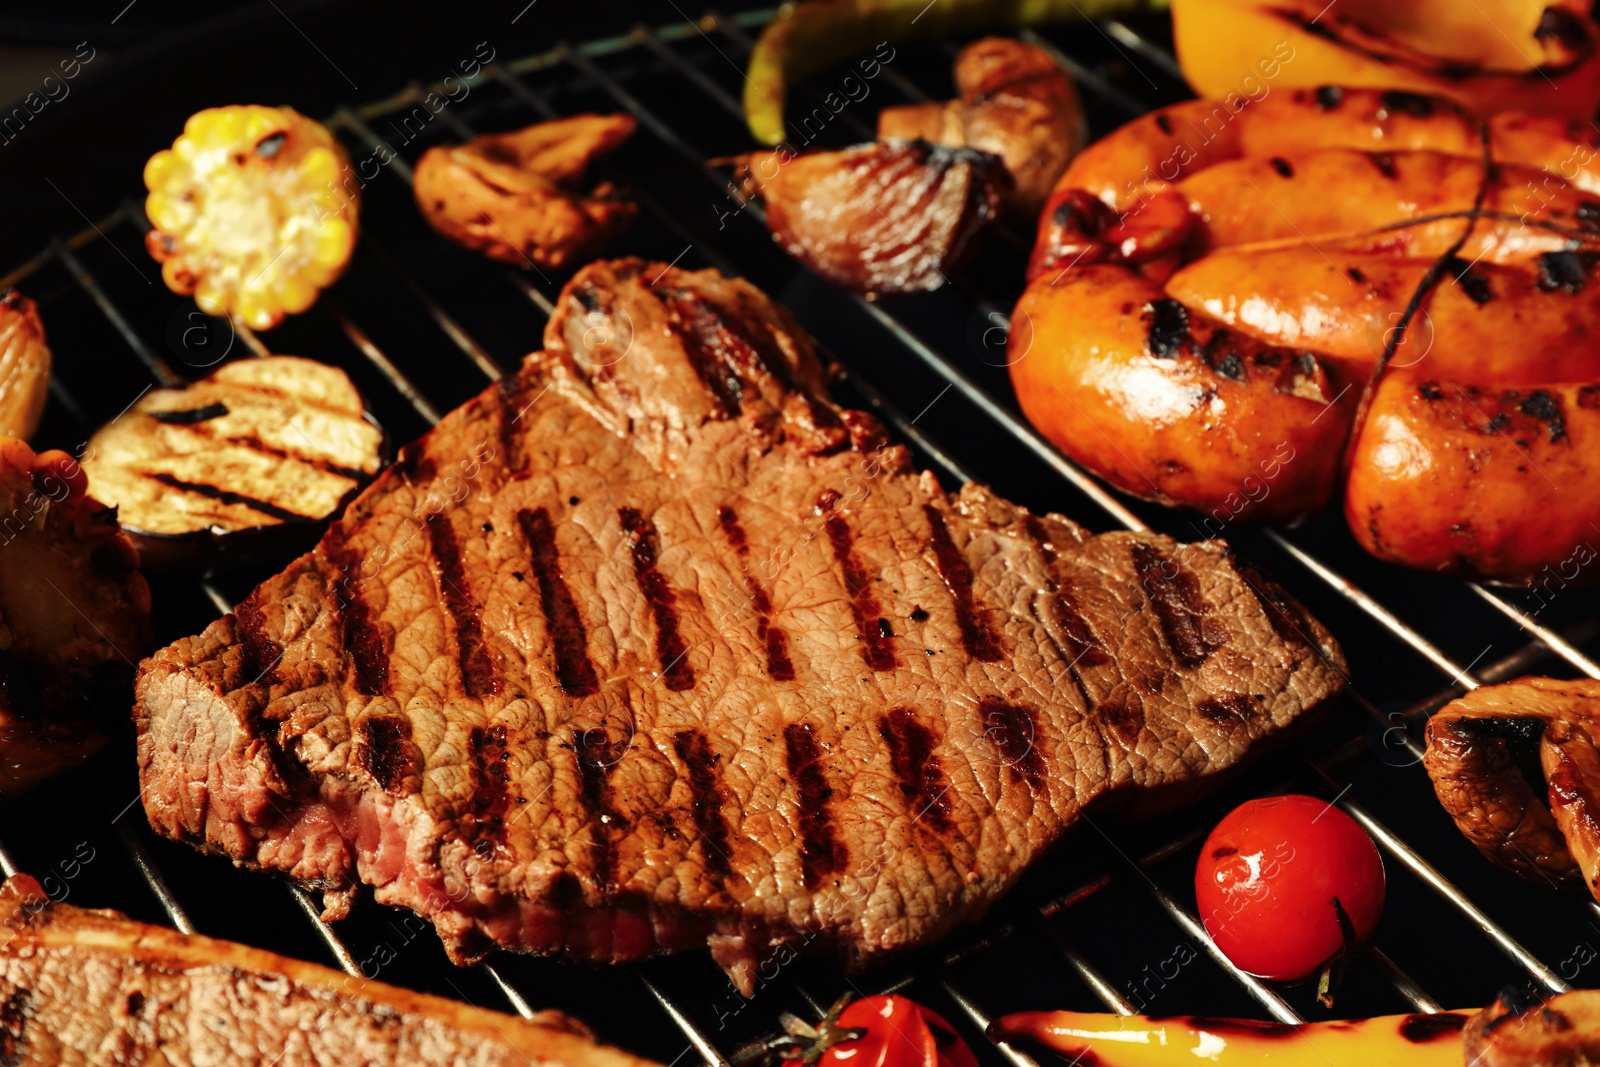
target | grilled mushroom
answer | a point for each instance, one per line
(884, 217)
(1515, 765)
(514, 197)
(1517, 1031)
(1017, 102)
(74, 617)
(24, 365)
(269, 446)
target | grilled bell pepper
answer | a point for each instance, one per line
(807, 37)
(253, 211)
(1139, 1041)
(1495, 55)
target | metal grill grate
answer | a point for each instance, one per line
(422, 326)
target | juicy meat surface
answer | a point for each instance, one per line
(651, 646)
(1515, 765)
(80, 986)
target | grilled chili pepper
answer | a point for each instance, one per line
(810, 36)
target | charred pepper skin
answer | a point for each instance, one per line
(252, 211)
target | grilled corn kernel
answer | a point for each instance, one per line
(253, 212)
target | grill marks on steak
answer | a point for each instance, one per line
(565, 625)
(779, 667)
(821, 852)
(657, 679)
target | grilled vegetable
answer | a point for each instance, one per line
(74, 617)
(1498, 55)
(806, 37)
(880, 1031)
(1285, 882)
(884, 217)
(253, 211)
(1017, 103)
(514, 196)
(275, 444)
(1516, 1031)
(1489, 751)
(1442, 312)
(24, 365)
(1139, 1041)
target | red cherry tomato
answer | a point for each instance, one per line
(899, 1033)
(1268, 878)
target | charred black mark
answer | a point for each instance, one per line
(1167, 323)
(478, 675)
(977, 632)
(1224, 852)
(671, 652)
(190, 416)
(1232, 707)
(271, 144)
(1253, 1027)
(228, 496)
(1430, 391)
(383, 748)
(876, 649)
(1014, 731)
(1384, 161)
(705, 788)
(362, 638)
(1164, 123)
(1546, 407)
(573, 669)
(15, 1012)
(1180, 609)
(1414, 104)
(597, 757)
(918, 615)
(1420, 1029)
(1566, 271)
(1356, 275)
(133, 1006)
(510, 424)
(1284, 168)
(1474, 283)
(414, 465)
(1330, 97)
(1222, 356)
(1589, 397)
(411, 462)
(488, 755)
(1082, 647)
(1289, 620)
(821, 854)
(917, 769)
(1562, 25)
(1124, 717)
(709, 344)
(258, 654)
(779, 667)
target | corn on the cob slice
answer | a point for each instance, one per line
(253, 211)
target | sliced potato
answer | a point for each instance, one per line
(24, 365)
(74, 617)
(271, 444)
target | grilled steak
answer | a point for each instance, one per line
(80, 986)
(652, 645)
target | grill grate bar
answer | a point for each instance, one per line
(158, 367)
(375, 356)
(696, 1036)
(1124, 34)
(981, 1020)
(336, 945)
(1552, 640)
(1403, 982)
(1098, 983)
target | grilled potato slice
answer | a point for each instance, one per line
(24, 365)
(514, 196)
(271, 444)
(74, 617)
(253, 211)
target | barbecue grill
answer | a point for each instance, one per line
(1107, 922)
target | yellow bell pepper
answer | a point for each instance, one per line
(1139, 1041)
(253, 211)
(1489, 56)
